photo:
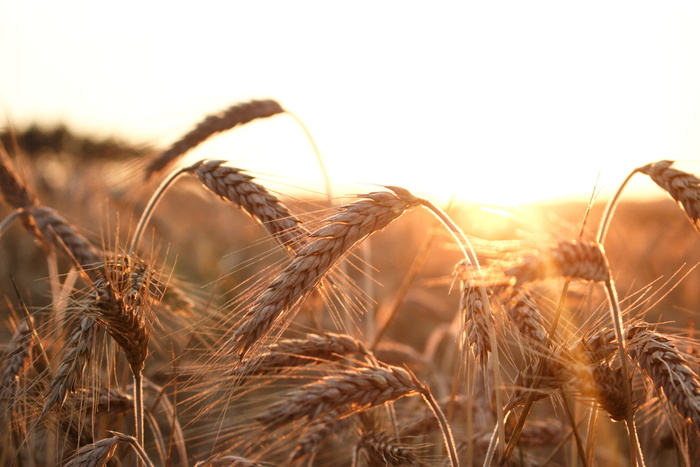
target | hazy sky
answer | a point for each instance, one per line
(493, 101)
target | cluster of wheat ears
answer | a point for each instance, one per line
(512, 380)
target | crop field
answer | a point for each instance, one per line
(157, 311)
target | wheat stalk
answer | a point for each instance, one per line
(236, 115)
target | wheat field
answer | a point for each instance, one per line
(158, 312)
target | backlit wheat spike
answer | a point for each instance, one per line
(352, 390)
(683, 187)
(332, 241)
(475, 313)
(523, 312)
(542, 433)
(234, 116)
(79, 348)
(127, 326)
(120, 302)
(315, 435)
(382, 449)
(312, 349)
(595, 375)
(98, 453)
(14, 191)
(573, 259)
(232, 184)
(669, 371)
(68, 240)
(14, 362)
(608, 391)
(599, 346)
(541, 378)
(106, 400)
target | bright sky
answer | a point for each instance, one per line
(496, 102)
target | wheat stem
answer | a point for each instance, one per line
(610, 209)
(636, 456)
(151, 206)
(470, 255)
(138, 406)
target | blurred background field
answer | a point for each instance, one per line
(652, 248)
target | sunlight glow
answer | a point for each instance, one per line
(494, 105)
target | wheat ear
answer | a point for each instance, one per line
(477, 318)
(15, 192)
(669, 372)
(98, 453)
(682, 186)
(66, 238)
(75, 359)
(382, 449)
(313, 437)
(571, 259)
(14, 362)
(327, 245)
(289, 353)
(239, 188)
(353, 391)
(236, 115)
(523, 312)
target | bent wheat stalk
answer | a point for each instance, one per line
(682, 186)
(232, 117)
